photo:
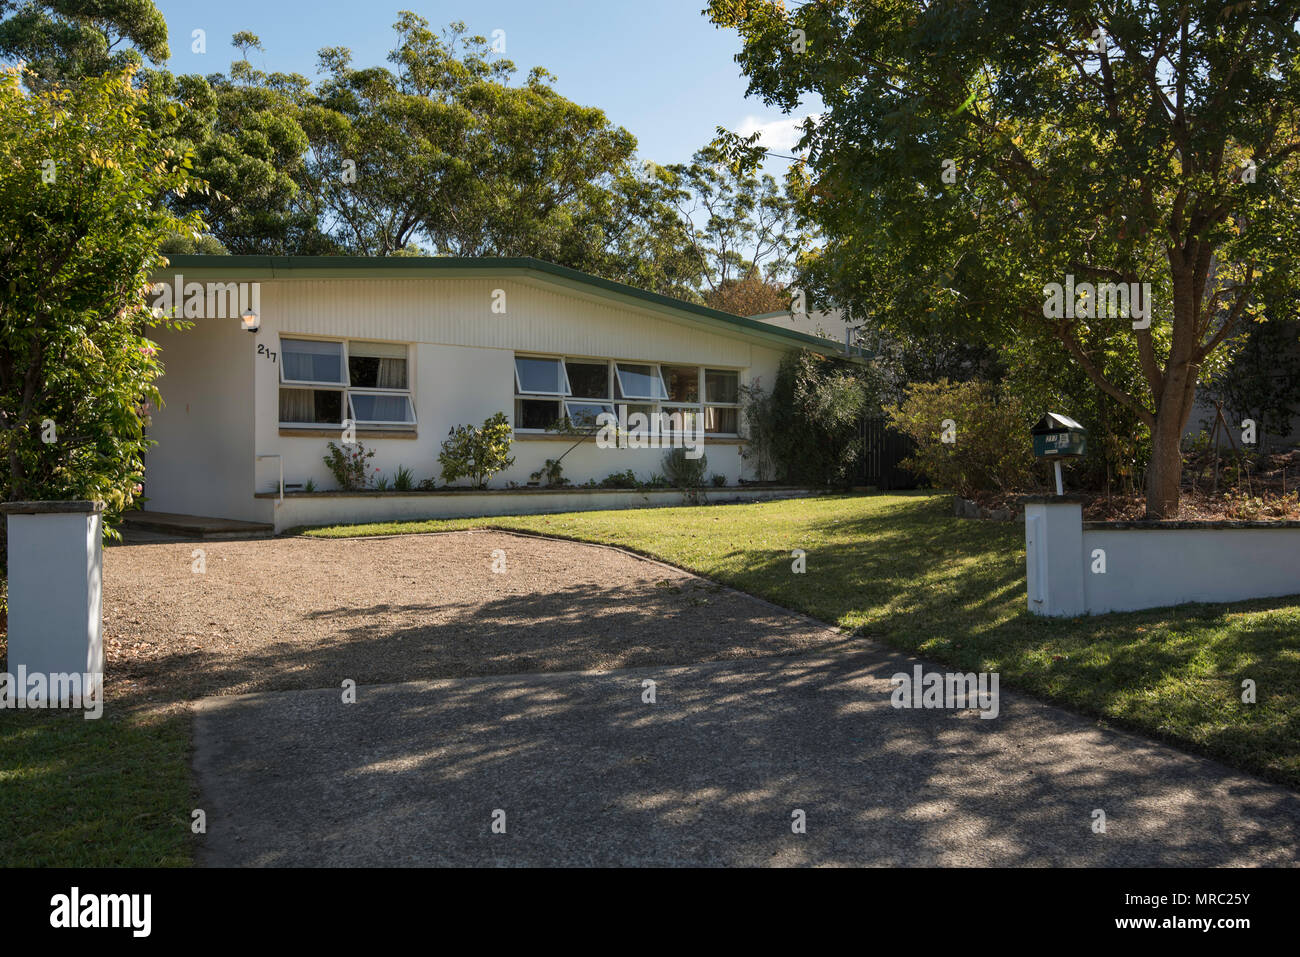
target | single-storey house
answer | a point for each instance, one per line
(407, 349)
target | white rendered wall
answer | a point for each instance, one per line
(314, 510)
(1074, 569)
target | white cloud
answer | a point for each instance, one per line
(780, 134)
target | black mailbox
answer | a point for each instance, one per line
(1059, 436)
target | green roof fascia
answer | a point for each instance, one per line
(257, 268)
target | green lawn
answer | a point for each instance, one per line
(900, 569)
(112, 792)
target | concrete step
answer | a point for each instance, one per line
(196, 526)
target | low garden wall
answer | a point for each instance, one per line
(1075, 567)
(336, 508)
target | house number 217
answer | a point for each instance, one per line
(262, 350)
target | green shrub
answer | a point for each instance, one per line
(477, 453)
(350, 468)
(404, 479)
(551, 474)
(719, 481)
(812, 422)
(620, 480)
(683, 471)
(990, 447)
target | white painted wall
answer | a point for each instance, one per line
(309, 510)
(1074, 569)
(203, 462)
(223, 400)
(1151, 568)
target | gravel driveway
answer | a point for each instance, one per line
(287, 613)
(584, 769)
(587, 772)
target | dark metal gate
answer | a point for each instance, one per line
(883, 449)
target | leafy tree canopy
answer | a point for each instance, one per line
(970, 154)
(68, 39)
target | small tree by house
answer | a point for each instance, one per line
(83, 190)
(477, 453)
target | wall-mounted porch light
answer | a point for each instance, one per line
(250, 320)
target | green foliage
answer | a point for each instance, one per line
(1119, 444)
(67, 40)
(718, 480)
(350, 468)
(747, 228)
(309, 485)
(996, 150)
(760, 429)
(812, 422)
(1261, 381)
(625, 479)
(682, 471)
(990, 447)
(80, 226)
(551, 474)
(404, 479)
(477, 453)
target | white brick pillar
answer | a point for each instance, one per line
(56, 623)
(1054, 565)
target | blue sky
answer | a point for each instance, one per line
(660, 69)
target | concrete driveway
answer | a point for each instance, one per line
(712, 773)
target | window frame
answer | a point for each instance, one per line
(317, 383)
(343, 405)
(664, 404)
(656, 375)
(380, 423)
(346, 388)
(519, 385)
(706, 404)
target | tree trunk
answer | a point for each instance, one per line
(1165, 474)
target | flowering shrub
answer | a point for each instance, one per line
(350, 468)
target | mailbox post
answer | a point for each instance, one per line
(1058, 437)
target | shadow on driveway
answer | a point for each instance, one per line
(587, 773)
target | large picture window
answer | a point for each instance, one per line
(324, 381)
